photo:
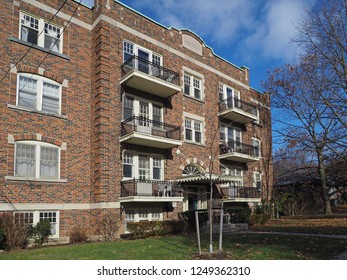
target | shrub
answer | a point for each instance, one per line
(145, 229)
(41, 231)
(108, 226)
(2, 240)
(239, 215)
(78, 235)
(262, 213)
(15, 235)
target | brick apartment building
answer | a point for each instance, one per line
(105, 111)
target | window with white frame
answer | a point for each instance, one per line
(256, 147)
(38, 32)
(128, 165)
(193, 130)
(142, 166)
(141, 214)
(37, 160)
(192, 86)
(257, 180)
(232, 136)
(229, 96)
(145, 57)
(231, 170)
(133, 106)
(33, 217)
(38, 93)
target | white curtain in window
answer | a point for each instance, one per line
(27, 92)
(24, 33)
(50, 98)
(25, 160)
(49, 162)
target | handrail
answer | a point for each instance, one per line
(244, 192)
(151, 69)
(236, 103)
(151, 127)
(155, 188)
(239, 147)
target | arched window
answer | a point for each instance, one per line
(192, 169)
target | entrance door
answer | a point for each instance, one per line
(144, 124)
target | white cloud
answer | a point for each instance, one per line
(261, 29)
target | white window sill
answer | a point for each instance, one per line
(194, 143)
(21, 108)
(30, 179)
(194, 98)
(14, 39)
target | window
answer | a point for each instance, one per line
(257, 180)
(156, 116)
(128, 50)
(142, 108)
(143, 214)
(34, 217)
(24, 218)
(234, 171)
(128, 165)
(229, 96)
(193, 131)
(128, 110)
(157, 168)
(37, 160)
(144, 58)
(256, 147)
(142, 167)
(232, 136)
(140, 214)
(36, 31)
(38, 93)
(192, 86)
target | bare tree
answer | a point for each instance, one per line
(323, 35)
(306, 120)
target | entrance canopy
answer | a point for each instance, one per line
(203, 179)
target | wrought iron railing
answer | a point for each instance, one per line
(238, 147)
(137, 187)
(151, 127)
(151, 69)
(244, 192)
(236, 103)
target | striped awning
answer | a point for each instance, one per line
(205, 179)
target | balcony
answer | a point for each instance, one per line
(145, 132)
(238, 110)
(243, 194)
(146, 76)
(136, 190)
(239, 152)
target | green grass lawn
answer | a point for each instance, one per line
(248, 246)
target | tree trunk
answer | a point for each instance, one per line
(323, 183)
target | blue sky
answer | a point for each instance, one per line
(252, 33)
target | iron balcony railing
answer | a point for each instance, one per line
(151, 127)
(244, 192)
(236, 103)
(151, 69)
(238, 147)
(153, 188)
